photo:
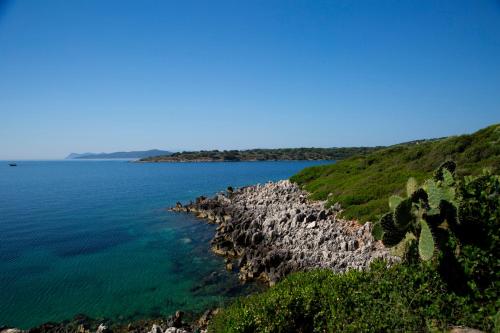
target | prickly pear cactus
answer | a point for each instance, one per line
(403, 215)
(394, 201)
(439, 191)
(392, 234)
(449, 166)
(425, 242)
(424, 209)
(411, 186)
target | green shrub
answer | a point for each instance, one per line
(479, 237)
(404, 298)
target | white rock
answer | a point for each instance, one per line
(175, 330)
(102, 328)
(311, 225)
(156, 329)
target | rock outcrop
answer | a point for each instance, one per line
(84, 324)
(268, 231)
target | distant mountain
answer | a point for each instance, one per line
(74, 155)
(120, 154)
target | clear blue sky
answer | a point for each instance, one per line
(97, 75)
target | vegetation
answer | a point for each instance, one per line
(423, 213)
(463, 228)
(361, 184)
(379, 300)
(457, 284)
(291, 154)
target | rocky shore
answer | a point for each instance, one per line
(84, 324)
(265, 232)
(268, 231)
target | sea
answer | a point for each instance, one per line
(95, 237)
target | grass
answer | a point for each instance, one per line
(362, 184)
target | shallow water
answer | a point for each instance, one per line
(94, 237)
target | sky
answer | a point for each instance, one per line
(106, 75)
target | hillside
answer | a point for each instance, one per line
(120, 154)
(285, 154)
(362, 184)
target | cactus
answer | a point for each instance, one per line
(419, 196)
(411, 186)
(403, 215)
(394, 201)
(425, 241)
(437, 192)
(424, 209)
(392, 234)
(449, 166)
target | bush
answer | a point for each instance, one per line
(479, 255)
(402, 298)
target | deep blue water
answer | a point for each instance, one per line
(95, 237)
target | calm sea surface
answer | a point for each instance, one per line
(94, 237)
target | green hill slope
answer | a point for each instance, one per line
(362, 184)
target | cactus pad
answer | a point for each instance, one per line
(403, 214)
(411, 186)
(392, 235)
(448, 165)
(419, 195)
(394, 201)
(425, 241)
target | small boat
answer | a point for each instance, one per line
(12, 164)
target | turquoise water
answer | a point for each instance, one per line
(94, 237)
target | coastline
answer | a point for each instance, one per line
(264, 154)
(227, 161)
(268, 231)
(264, 232)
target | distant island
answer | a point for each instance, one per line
(282, 154)
(120, 154)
